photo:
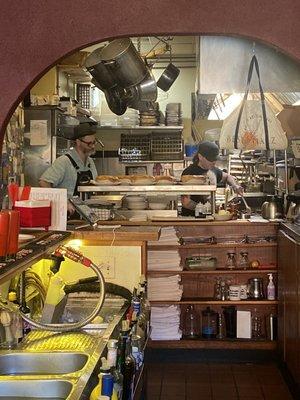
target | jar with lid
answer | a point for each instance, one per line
(209, 323)
(192, 323)
(231, 260)
(244, 261)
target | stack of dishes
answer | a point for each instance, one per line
(136, 202)
(158, 203)
(173, 114)
(142, 180)
(149, 118)
(194, 179)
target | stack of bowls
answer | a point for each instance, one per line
(136, 202)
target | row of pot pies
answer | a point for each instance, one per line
(150, 180)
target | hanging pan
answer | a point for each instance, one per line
(168, 77)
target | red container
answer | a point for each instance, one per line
(34, 213)
(4, 227)
(13, 233)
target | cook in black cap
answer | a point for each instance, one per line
(76, 167)
(204, 164)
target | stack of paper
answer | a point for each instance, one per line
(165, 322)
(167, 236)
(164, 260)
(165, 288)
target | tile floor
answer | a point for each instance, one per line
(212, 381)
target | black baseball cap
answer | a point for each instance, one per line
(209, 150)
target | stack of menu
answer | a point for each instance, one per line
(167, 237)
(165, 322)
(164, 288)
(164, 261)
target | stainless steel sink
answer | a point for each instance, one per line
(35, 389)
(26, 363)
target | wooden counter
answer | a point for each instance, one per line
(135, 233)
(192, 222)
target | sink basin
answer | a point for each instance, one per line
(41, 363)
(35, 389)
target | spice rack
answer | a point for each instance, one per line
(198, 285)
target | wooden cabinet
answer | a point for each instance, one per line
(198, 285)
(289, 297)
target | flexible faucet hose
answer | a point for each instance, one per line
(76, 325)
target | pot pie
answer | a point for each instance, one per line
(125, 179)
(142, 180)
(164, 180)
(194, 179)
(107, 180)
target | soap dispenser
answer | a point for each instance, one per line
(271, 288)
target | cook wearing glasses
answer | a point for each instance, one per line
(76, 167)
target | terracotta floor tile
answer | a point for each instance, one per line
(276, 393)
(200, 389)
(250, 391)
(272, 379)
(225, 390)
(246, 380)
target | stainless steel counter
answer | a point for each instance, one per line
(64, 381)
(292, 230)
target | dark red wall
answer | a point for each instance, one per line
(35, 34)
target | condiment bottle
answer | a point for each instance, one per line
(231, 260)
(244, 261)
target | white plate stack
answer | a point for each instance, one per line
(136, 202)
(173, 114)
(165, 322)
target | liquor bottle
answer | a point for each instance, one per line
(112, 348)
(121, 351)
(23, 307)
(136, 302)
(17, 319)
(128, 373)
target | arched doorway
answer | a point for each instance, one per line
(36, 36)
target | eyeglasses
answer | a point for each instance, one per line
(90, 144)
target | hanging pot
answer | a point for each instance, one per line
(102, 78)
(124, 62)
(168, 77)
(116, 101)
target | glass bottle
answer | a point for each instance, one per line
(209, 323)
(256, 325)
(192, 323)
(244, 261)
(129, 373)
(217, 289)
(231, 260)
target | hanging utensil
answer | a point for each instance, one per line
(169, 75)
(248, 209)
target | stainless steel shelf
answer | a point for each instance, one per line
(178, 189)
(138, 127)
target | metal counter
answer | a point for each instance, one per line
(90, 344)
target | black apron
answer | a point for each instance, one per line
(83, 177)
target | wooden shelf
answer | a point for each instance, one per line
(209, 246)
(216, 302)
(216, 272)
(241, 344)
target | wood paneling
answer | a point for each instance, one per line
(289, 302)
